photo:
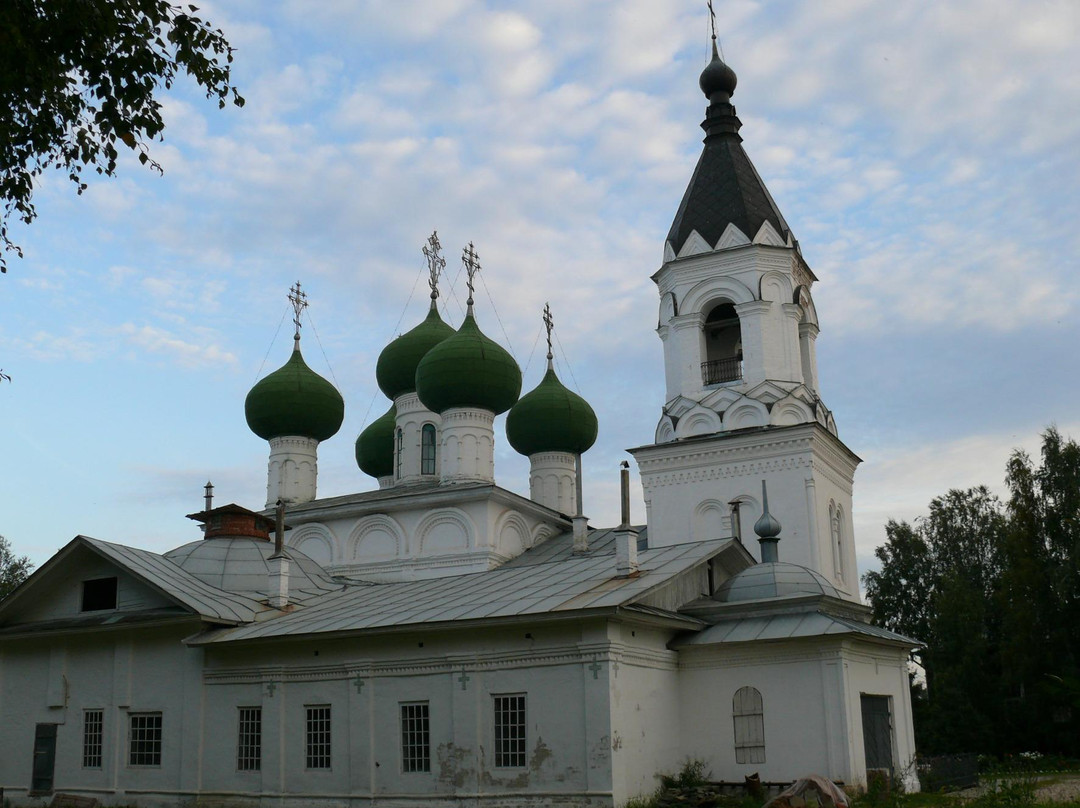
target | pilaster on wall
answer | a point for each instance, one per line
(467, 450)
(292, 471)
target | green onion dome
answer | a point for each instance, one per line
(375, 446)
(468, 370)
(551, 419)
(396, 369)
(294, 400)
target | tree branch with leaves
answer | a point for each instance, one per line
(80, 78)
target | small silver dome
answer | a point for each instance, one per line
(241, 565)
(774, 580)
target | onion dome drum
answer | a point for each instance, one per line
(375, 446)
(551, 418)
(396, 368)
(294, 400)
(468, 369)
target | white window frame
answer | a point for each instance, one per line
(317, 737)
(93, 738)
(248, 739)
(145, 740)
(510, 724)
(415, 736)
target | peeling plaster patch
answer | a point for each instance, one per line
(600, 753)
(540, 755)
(452, 768)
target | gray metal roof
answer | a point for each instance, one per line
(561, 547)
(165, 576)
(774, 580)
(787, 627)
(513, 590)
(241, 565)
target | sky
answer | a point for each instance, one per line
(924, 154)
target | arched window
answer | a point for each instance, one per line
(427, 449)
(838, 543)
(723, 345)
(834, 538)
(749, 717)
(399, 448)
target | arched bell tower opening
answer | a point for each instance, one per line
(723, 354)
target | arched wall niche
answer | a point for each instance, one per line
(712, 520)
(669, 307)
(376, 537)
(775, 287)
(747, 413)
(445, 531)
(513, 534)
(699, 421)
(316, 542)
(803, 300)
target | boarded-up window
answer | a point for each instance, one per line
(749, 719)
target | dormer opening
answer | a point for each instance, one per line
(723, 345)
(98, 595)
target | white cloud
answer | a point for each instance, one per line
(188, 354)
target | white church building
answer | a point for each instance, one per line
(440, 640)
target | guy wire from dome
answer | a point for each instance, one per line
(294, 400)
(468, 369)
(395, 370)
(551, 418)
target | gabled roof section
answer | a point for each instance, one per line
(560, 587)
(151, 569)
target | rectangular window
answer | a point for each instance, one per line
(144, 739)
(510, 731)
(415, 738)
(249, 740)
(93, 721)
(318, 736)
(99, 595)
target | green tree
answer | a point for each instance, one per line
(13, 570)
(78, 78)
(1040, 597)
(937, 584)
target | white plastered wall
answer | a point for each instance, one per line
(810, 692)
(54, 680)
(687, 486)
(645, 731)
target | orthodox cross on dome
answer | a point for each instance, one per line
(712, 26)
(549, 323)
(299, 302)
(471, 261)
(436, 263)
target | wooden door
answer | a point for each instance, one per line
(44, 758)
(877, 732)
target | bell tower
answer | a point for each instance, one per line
(738, 326)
